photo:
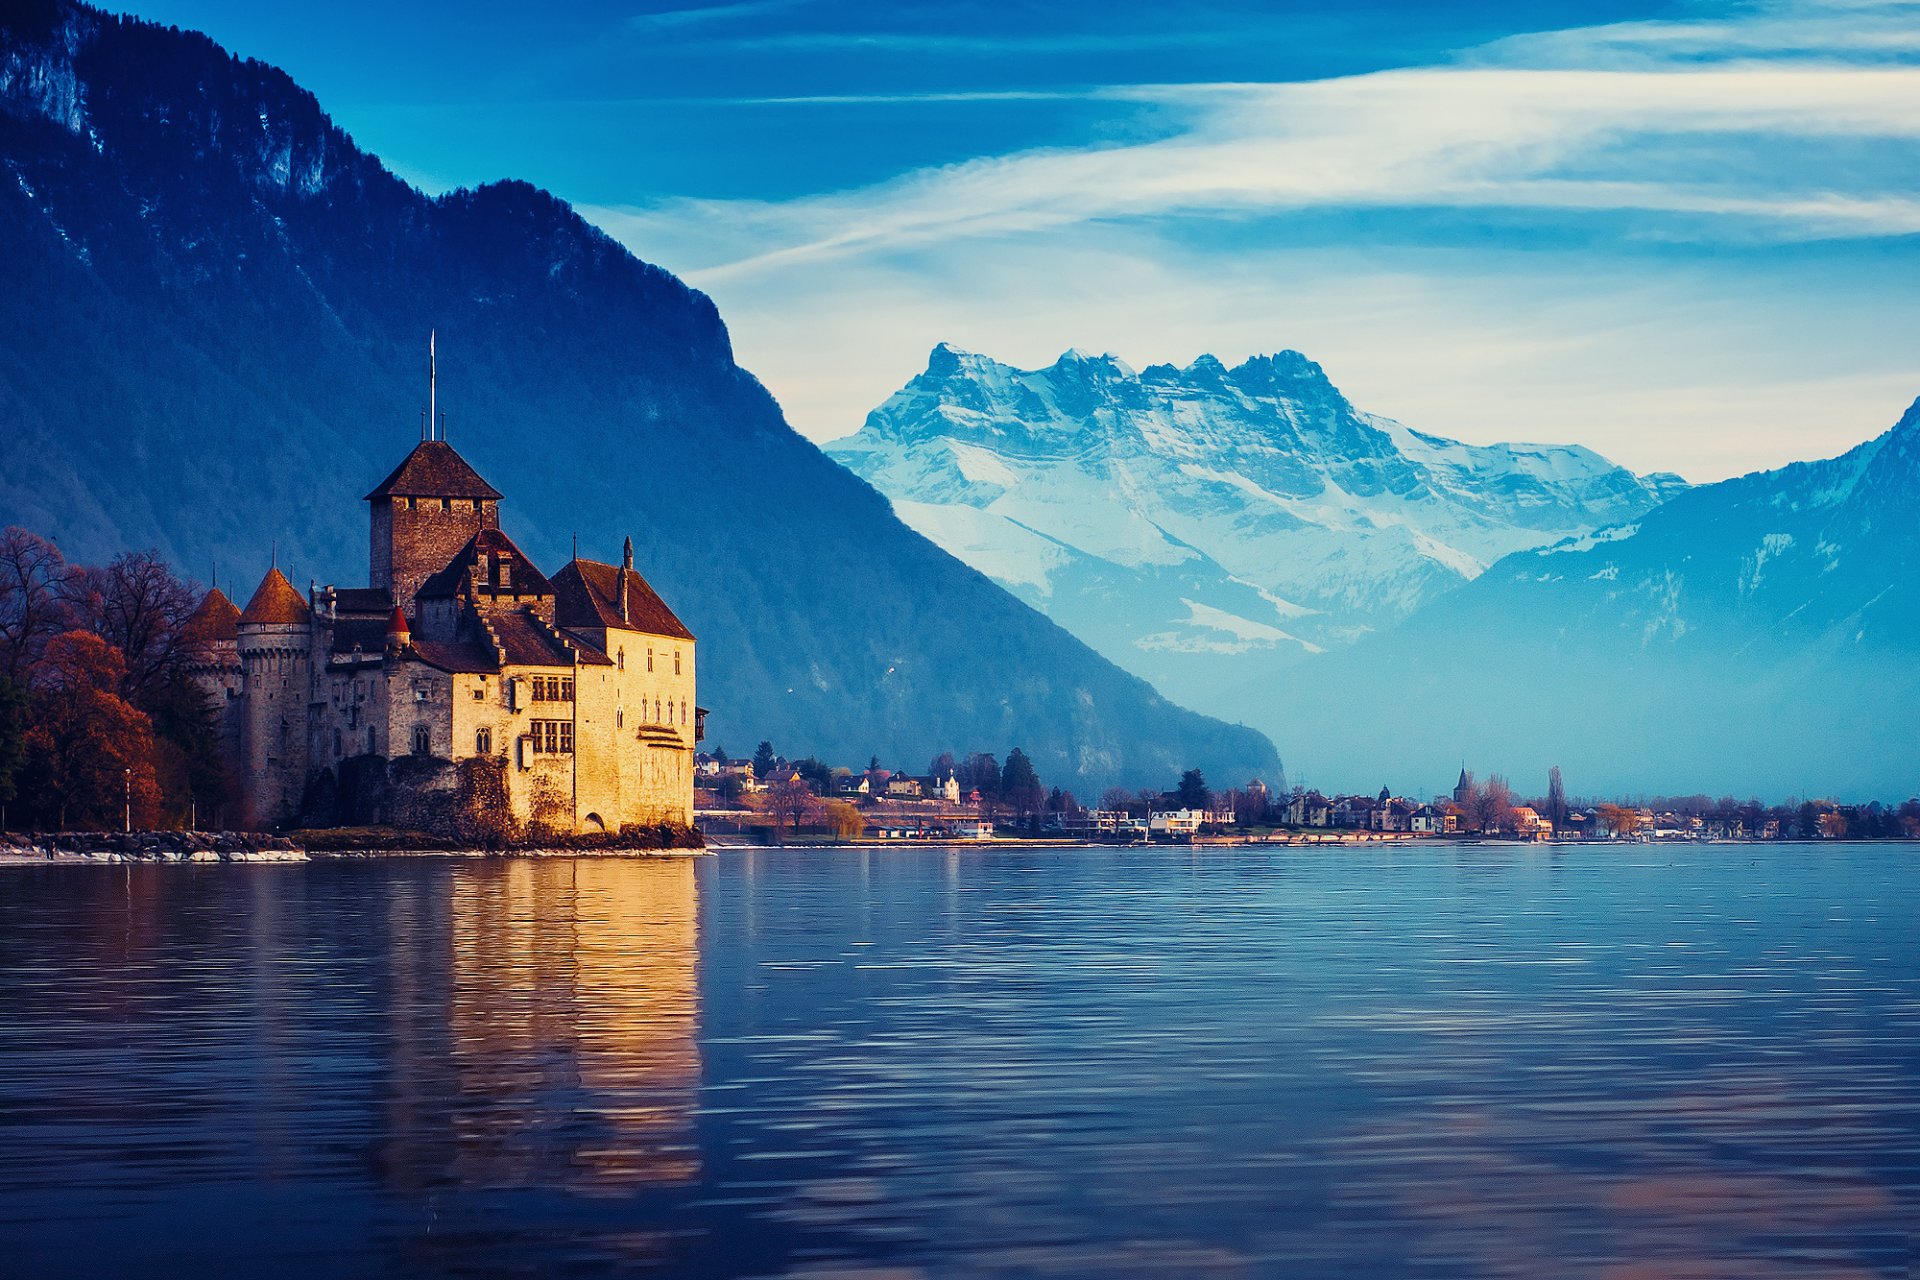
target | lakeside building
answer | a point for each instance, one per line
(567, 700)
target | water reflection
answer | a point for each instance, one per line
(543, 1033)
(1603, 1065)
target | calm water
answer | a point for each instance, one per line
(1479, 1062)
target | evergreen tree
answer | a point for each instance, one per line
(1192, 792)
(763, 761)
(1020, 785)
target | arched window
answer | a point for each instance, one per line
(619, 718)
(656, 711)
(483, 741)
(422, 740)
(621, 659)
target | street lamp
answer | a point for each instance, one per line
(129, 798)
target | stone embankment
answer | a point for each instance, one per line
(148, 846)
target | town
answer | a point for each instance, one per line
(770, 798)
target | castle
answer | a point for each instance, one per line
(574, 694)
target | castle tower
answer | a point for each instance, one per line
(274, 637)
(212, 644)
(421, 515)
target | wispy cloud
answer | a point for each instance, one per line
(1518, 125)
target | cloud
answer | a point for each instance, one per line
(1389, 224)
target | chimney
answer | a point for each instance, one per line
(626, 570)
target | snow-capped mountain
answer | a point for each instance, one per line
(1193, 524)
(1756, 636)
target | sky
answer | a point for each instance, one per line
(1683, 234)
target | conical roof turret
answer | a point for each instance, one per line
(275, 603)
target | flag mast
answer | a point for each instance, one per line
(433, 387)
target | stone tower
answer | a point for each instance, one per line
(212, 644)
(421, 515)
(275, 640)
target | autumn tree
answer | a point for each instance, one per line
(843, 819)
(88, 751)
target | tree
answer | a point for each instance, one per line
(32, 608)
(763, 761)
(13, 741)
(843, 819)
(1557, 799)
(1619, 821)
(981, 772)
(138, 606)
(1192, 792)
(89, 752)
(1496, 805)
(720, 757)
(943, 765)
(792, 799)
(1020, 785)
(1117, 800)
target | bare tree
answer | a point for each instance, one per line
(33, 608)
(138, 606)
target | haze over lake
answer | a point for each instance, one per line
(1470, 1061)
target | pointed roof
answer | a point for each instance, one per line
(434, 470)
(587, 594)
(397, 623)
(275, 603)
(487, 548)
(214, 619)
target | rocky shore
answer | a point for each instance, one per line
(148, 846)
(108, 847)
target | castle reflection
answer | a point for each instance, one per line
(544, 1022)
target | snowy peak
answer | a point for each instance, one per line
(1180, 518)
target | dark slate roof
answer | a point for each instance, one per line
(434, 470)
(483, 546)
(587, 594)
(528, 641)
(363, 600)
(369, 635)
(591, 654)
(275, 603)
(214, 619)
(468, 659)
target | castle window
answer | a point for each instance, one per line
(480, 694)
(620, 659)
(413, 503)
(483, 741)
(446, 504)
(619, 718)
(649, 657)
(566, 690)
(566, 735)
(422, 740)
(656, 711)
(676, 662)
(538, 688)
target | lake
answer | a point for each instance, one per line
(1624, 1062)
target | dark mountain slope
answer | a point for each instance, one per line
(215, 311)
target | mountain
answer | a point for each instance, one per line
(1756, 636)
(1196, 524)
(216, 309)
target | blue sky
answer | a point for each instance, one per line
(1683, 234)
